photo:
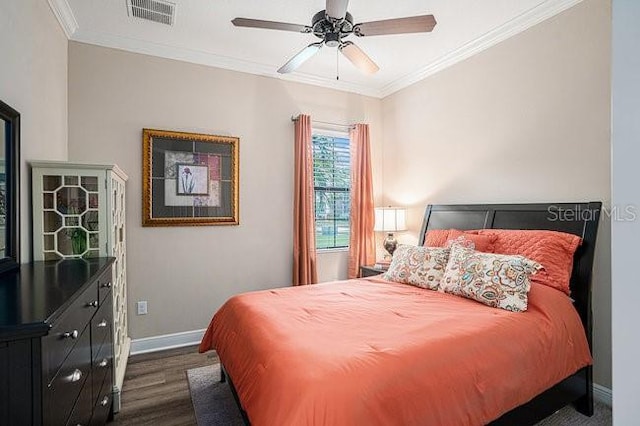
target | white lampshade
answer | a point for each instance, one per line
(390, 219)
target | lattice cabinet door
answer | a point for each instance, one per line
(69, 220)
(79, 212)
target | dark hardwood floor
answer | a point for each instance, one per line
(155, 390)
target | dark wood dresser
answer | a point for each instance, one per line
(56, 343)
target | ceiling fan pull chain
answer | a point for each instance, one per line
(337, 64)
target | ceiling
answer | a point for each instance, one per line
(202, 33)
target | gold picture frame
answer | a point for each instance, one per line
(189, 179)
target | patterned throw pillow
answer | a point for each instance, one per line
(419, 266)
(497, 280)
(463, 241)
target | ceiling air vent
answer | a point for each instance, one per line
(160, 11)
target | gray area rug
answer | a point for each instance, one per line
(214, 405)
(213, 401)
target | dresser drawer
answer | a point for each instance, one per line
(103, 404)
(102, 323)
(102, 366)
(81, 414)
(105, 282)
(65, 331)
(61, 394)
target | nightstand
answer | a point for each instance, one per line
(370, 271)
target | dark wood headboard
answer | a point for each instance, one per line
(575, 218)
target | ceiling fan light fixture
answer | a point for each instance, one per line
(335, 23)
(332, 39)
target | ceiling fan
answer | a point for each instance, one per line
(334, 24)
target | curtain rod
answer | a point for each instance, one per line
(350, 126)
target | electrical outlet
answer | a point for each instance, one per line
(142, 307)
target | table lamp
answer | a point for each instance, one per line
(390, 220)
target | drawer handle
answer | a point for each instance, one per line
(93, 304)
(70, 334)
(104, 401)
(103, 323)
(106, 285)
(75, 376)
(103, 363)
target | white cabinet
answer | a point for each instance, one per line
(79, 212)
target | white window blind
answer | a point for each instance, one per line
(332, 184)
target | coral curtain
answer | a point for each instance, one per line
(304, 239)
(361, 239)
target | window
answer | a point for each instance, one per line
(332, 183)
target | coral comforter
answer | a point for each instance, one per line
(374, 352)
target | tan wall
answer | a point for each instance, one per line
(33, 80)
(525, 121)
(186, 273)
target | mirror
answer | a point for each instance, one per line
(9, 188)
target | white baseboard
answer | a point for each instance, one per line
(166, 341)
(602, 394)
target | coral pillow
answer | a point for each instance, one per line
(497, 280)
(419, 266)
(553, 250)
(436, 238)
(443, 237)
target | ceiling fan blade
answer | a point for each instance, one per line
(337, 9)
(300, 58)
(413, 24)
(270, 25)
(358, 58)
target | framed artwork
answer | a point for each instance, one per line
(189, 179)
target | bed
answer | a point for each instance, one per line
(371, 351)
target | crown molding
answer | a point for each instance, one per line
(515, 26)
(64, 15)
(206, 58)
